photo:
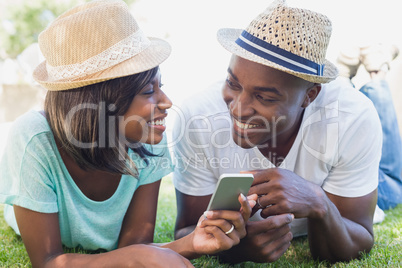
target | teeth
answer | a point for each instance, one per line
(158, 122)
(245, 126)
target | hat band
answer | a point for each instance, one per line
(278, 55)
(123, 50)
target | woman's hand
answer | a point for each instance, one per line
(222, 229)
(154, 256)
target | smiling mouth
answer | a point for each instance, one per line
(157, 122)
(245, 126)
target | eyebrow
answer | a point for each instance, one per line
(232, 74)
(262, 89)
(268, 89)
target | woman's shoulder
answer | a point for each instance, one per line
(30, 122)
(28, 126)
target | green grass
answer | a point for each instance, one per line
(385, 253)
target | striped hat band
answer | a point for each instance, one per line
(278, 55)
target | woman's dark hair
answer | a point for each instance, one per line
(84, 122)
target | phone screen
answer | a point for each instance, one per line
(228, 189)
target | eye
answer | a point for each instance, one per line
(148, 90)
(229, 82)
(232, 85)
(151, 87)
(265, 100)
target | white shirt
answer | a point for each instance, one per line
(338, 145)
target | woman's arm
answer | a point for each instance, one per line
(40, 233)
(215, 231)
(139, 222)
(208, 237)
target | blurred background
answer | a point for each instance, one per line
(197, 59)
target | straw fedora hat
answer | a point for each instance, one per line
(292, 40)
(95, 42)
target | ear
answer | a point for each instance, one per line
(311, 94)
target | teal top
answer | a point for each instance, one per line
(33, 176)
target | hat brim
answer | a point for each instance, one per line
(158, 51)
(227, 37)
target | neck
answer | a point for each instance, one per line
(277, 148)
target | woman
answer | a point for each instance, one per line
(86, 172)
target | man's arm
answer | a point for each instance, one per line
(189, 209)
(340, 228)
(345, 230)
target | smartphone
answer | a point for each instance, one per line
(228, 189)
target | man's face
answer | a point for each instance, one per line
(266, 105)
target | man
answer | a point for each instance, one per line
(376, 59)
(314, 148)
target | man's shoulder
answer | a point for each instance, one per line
(340, 114)
(206, 103)
(343, 100)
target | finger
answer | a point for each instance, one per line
(255, 209)
(252, 200)
(271, 223)
(222, 224)
(245, 209)
(278, 247)
(260, 185)
(267, 206)
(251, 171)
(262, 176)
(201, 219)
(257, 205)
(275, 234)
(227, 228)
(271, 210)
(227, 218)
(223, 241)
(234, 217)
(260, 204)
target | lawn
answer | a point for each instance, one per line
(385, 253)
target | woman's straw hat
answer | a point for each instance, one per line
(292, 40)
(95, 42)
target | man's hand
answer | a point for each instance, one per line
(266, 241)
(282, 191)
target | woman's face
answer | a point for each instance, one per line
(144, 120)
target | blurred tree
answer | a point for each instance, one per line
(23, 21)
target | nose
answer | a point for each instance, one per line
(240, 105)
(164, 102)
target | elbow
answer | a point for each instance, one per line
(179, 233)
(182, 232)
(344, 256)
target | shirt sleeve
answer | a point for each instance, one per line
(356, 172)
(25, 179)
(192, 175)
(158, 166)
